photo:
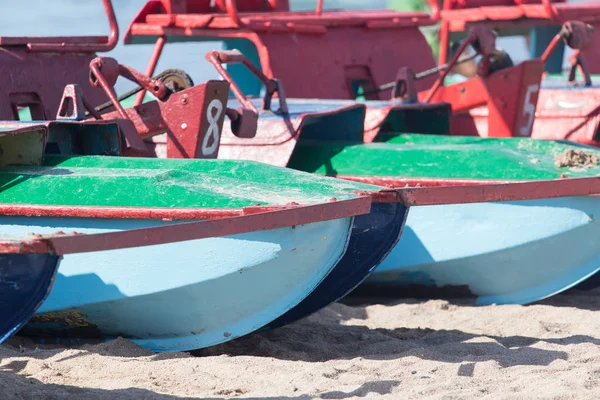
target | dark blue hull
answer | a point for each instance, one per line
(25, 281)
(374, 235)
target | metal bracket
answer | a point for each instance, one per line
(404, 87)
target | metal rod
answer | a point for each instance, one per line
(440, 80)
(421, 75)
(158, 48)
(551, 47)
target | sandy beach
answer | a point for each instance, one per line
(400, 349)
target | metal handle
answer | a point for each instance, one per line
(66, 47)
(218, 58)
(104, 72)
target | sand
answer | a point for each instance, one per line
(403, 349)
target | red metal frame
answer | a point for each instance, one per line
(321, 37)
(510, 97)
(459, 16)
(38, 80)
(511, 94)
(277, 137)
(559, 113)
(70, 44)
(187, 129)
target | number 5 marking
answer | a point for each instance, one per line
(213, 127)
(529, 110)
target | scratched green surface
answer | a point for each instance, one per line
(140, 182)
(433, 156)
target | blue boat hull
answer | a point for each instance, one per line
(185, 295)
(374, 235)
(25, 281)
(501, 253)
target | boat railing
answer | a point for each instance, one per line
(71, 44)
(449, 5)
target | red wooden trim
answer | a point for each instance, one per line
(69, 244)
(61, 211)
(452, 191)
(65, 211)
(396, 182)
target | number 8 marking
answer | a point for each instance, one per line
(213, 127)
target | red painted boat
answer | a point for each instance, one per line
(514, 16)
(337, 54)
(562, 111)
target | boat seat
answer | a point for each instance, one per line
(328, 19)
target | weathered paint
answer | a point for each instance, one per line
(513, 252)
(184, 295)
(25, 281)
(435, 156)
(245, 280)
(170, 183)
(374, 235)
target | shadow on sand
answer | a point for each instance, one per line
(16, 387)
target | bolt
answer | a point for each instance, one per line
(184, 99)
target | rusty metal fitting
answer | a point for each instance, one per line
(577, 35)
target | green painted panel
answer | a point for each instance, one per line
(141, 182)
(433, 156)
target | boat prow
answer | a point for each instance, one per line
(374, 235)
(25, 281)
(523, 245)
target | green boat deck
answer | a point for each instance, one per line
(441, 157)
(141, 182)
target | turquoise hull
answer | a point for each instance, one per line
(185, 295)
(501, 253)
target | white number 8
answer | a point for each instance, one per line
(213, 127)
